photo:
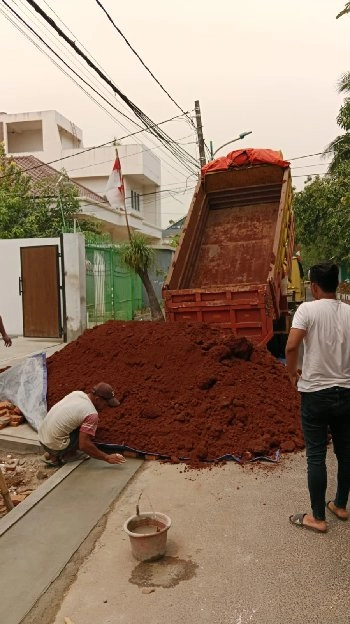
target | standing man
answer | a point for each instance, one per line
(324, 385)
(7, 340)
(71, 424)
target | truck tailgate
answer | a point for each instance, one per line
(243, 309)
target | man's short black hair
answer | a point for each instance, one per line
(326, 276)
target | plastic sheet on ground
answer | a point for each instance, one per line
(25, 385)
(117, 448)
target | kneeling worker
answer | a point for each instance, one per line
(71, 424)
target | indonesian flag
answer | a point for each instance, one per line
(115, 192)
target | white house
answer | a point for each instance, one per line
(53, 139)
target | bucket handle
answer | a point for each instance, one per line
(138, 505)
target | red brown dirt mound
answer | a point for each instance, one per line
(185, 390)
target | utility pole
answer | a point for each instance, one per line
(202, 158)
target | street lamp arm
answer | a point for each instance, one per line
(241, 136)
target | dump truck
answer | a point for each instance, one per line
(233, 261)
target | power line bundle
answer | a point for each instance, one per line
(180, 154)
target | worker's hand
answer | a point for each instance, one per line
(116, 459)
(7, 340)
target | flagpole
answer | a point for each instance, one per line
(126, 214)
(127, 220)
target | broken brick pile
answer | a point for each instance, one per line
(10, 415)
(186, 390)
(22, 475)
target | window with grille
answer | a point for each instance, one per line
(135, 201)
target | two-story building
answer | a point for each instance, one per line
(53, 139)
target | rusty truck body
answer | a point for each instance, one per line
(232, 262)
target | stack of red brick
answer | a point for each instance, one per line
(10, 415)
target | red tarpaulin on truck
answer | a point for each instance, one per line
(244, 157)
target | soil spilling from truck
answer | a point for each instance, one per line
(186, 390)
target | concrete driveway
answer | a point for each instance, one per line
(232, 556)
(24, 347)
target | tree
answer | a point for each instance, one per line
(174, 240)
(30, 209)
(344, 11)
(139, 256)
(322, 216)
(340, 146)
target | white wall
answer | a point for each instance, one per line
(131, 184)
(151, 166)
(140, 166)
(94, 183)
(75, 284)
(27, 141)
(10, 272)
(136, 160)
(67, 140)
(53, 126)
(151, 204)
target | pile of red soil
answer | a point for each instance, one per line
(185, 390)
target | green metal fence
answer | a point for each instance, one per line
(344, 273)
(113, 292)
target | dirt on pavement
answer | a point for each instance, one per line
(23, 473)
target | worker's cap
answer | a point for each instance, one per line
(106, 392)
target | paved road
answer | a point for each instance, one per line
(232, 556)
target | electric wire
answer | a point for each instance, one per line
(171, 192)
(139, 58)
(89, 149)
(149, 127)
(108, 142)
(160, 134)
(290, 159)
(103, 162)
(132, 121)
(315, 165)
(73, 35)
(306, 175)
(77, 63)
(59, 67)
(309, 155)
(62, 60)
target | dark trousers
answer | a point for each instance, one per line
(72, 446)
(329, 408)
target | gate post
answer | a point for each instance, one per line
(74, 278)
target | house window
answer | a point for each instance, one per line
(135, 201)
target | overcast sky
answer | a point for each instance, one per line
(270, 66)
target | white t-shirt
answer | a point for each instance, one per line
(326, 360)
(63, 417)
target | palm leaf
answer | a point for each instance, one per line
(343, 117)
(344, 11)
(344, 83)
(340, 147)
(137, 254)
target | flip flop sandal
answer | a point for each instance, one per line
(298, 520)
(334, 513)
